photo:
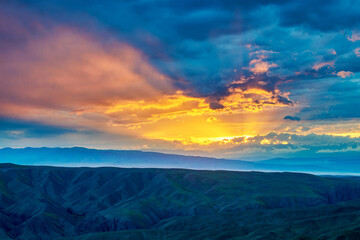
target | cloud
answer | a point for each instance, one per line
(357, 52)
(70, 70)
(211, 119)
(13, 128)
(69, 76)
(321, 15)
(323, 64)
(354, 37)
(118, 69)
(344, 99)
(271, 144)
(132, 113)
(344, 74)
(258, 66)
(216, 105)
(292, 118)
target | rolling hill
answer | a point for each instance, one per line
(121, 203)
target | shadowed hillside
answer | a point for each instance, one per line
(117, 203)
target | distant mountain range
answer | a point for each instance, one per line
(77, 156)
(116, 203)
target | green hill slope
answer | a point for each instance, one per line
(117, 203)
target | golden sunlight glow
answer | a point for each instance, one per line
(268, 141)
(125, 94)
(79, 84)
(209, 140)
(351, 134)
(178, 105)
(188, 120)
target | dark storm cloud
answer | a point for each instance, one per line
(17, 128)
(349, 62)
(176, 35)
(322, 15)
(207, 45)
(216, 105)
(339, 101)
(292, 118)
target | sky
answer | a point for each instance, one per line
(233, 79)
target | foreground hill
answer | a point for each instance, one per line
(118, 203)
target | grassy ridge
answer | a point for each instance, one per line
(116, 203)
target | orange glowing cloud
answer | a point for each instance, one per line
(354, 37)
(344, 74)
(317, 66)
(251, 100)
(259, 66)
(357, 51)
(70, 78)
(68, 70)
(134, 113)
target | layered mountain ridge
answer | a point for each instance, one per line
(79, 157)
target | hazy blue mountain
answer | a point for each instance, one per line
(123, 158)
(117, 203)
(334, 164)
